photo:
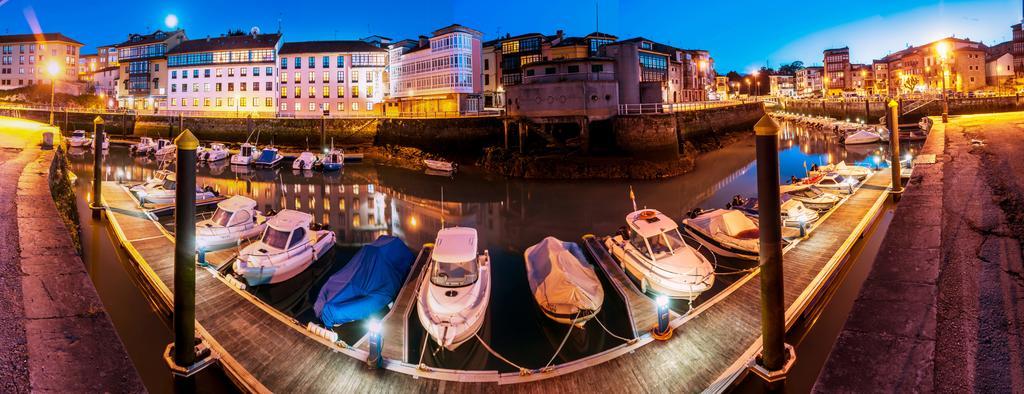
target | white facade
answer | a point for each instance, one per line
(345, 78)
(440, 74)
(999, 69)
(782, 85)
(234, 76)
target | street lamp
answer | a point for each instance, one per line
(52, 69)
(942, 48)
(701, 65)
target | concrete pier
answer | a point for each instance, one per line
(54, 332)
(941, 310)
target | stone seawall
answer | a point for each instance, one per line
(657, 134)
(463, 137)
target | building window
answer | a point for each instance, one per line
(369, 107)
(269, 86)
(312, 76)
(206, 87)
(284, 77)
(298, 62)
(573, 68)
(327, 61)
(220, 102)
(596, 68)
(487, 64)
(311, 92)
(241, 101)
(298, 107)
(284, 91)
(206, 102)
(174, 74)
(231, 72)
(242, 86)
(312, 62)
(269, 71)
(269, 102)
(327, 91)
(355, 106)
(341, 61)
(284, 63)
(216, 87)
(220, 72)
(231, 101)
(312, 105)
(242, 71)
(341, 92)
(284, 107)
(206, 73)
(255, 86)
(341, 77)
(355, 92)
(195, 73)
(549, 70)
(231, 86)
(327, 76)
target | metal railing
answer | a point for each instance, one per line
(664, 108)
(255, 115)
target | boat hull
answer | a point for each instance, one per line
(452, 330)
(289, 265)
(650, 278)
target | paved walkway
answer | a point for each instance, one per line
(943, 306)
(54, 333)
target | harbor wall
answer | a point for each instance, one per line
(656, 134)
(873, 110)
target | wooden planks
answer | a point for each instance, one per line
(265, 350)
(643, 314)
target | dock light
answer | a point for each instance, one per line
(376, 357)
(662, 330)
(201, 253)
(877, 160)
(803, 227)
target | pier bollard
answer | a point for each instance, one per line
(773, 363)
(894, 148)
(376, 356)
(185, 251)
(97, 168)
(662, 332)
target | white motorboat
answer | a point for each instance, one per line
(269, 157)
(157, 178)
(810, 196)
(79, 140)
(305, 161)
(456, 289)
(215, 153)
(440, 165)
(796, 214)
(652, 250)
(145, 146)
(835, 183)
(841, 168)
(288, 246)
(234, 220)
(862, 137)
(727, 232)
(246, 155)
(165, 148)
(164, 192)
(564, 284)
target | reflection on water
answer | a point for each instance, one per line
(365, 201)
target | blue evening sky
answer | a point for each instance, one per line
(741, 35)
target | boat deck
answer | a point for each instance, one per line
(263, 349)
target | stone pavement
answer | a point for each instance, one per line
(943, 306)
(54, 332)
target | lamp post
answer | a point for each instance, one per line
(52, 69)
(942, 48)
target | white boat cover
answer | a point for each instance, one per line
(561, 279)
(288, 220)
(862, 137)
(237, 203)
(734, 224)
(455, 245)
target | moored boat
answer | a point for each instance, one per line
(441, 165)
(165, 192)
(333, 160)
(841, 168)
(305, 161)
(564, 284)
(367, 284)
(727, 232)
(862, 137)
(835, 183)
(246, 155)
(235, 219)
(216, 152)
(289, 244)
(145, 146)
(652, 250)
(79, 140)
(811, 196)
(456, 289)
(269, 157)
(164, 147)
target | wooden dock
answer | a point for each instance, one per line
(262, 349)
(643, 314)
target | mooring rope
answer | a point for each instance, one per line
(610, 332)
(522, 371)
(565, 339)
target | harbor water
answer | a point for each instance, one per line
(366, 200)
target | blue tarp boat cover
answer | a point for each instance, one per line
(369, 282)
(267, 156)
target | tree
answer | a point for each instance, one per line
(791, 68)
(910, 83)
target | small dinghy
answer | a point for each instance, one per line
(217, 152)
(835, 183)
(289, 244)
(79, 140)
(652, 250)
(811, 196)
(862, 137)
(305, 161)
(269, 157)
(727, 232)
(245, 155)
(841, 168)
(367, 284)
(440, 165)
(796, 214)
(564, 284)
(145, 146)
(456, 288)
(165, 192)
(333, 160)
(234, 220)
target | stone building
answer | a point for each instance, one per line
(921, 68)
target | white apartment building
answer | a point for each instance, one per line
(233, 75)
(808, 82)
(438, 75)
(332, 78)
(782, 85)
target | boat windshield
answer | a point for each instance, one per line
(276, 238)
(168, 184)
(840, 179)
(666, 243)
(221, 217)
(454, 274)
(246, 151)
(78, 134)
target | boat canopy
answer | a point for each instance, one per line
(455, 253)
(288, 220)
(366, 284)
(237, 203)
(650, 222)
(78, 133)
(267, 155)
(734, 224)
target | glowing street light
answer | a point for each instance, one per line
(942, 49)
(53, 70)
